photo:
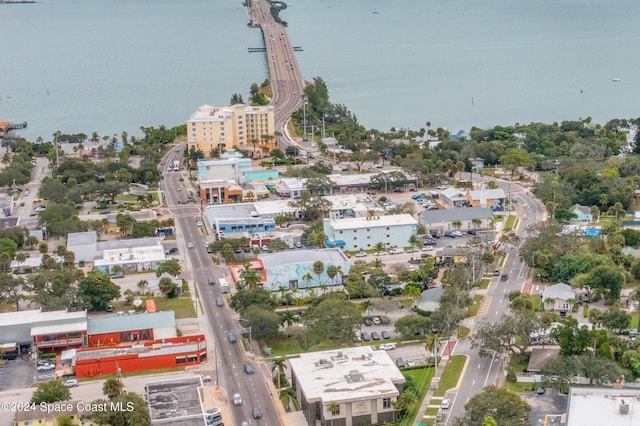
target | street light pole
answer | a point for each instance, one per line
(304, 120)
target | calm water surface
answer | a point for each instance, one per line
(109, 66)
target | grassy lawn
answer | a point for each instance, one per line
(511, 220)
(499, 218)
(517, 365)
(128, 197)
(421, 377)
(484, 283)
(520, 387)
(634, 322)
(535, 300)
(451, 374)
(407, 303)
(475, 305)
(182, 307)
(432, 411)
(463, 332)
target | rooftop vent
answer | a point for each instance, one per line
(354, 376)
(624, 408)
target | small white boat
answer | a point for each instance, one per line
(616, 80)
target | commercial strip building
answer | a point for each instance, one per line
(212, 129)
(133, 255)
(116, 329)
(148, 355)
(256, 220)
(457, 219)
(359, 383)
(363, 233)
(294, 270)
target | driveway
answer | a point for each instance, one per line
(18, 374)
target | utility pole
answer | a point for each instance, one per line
(323, 126)
(55, 145)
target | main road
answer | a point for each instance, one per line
(229, 357)
(286, 79)
(481, 371)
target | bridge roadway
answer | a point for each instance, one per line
(287, 83)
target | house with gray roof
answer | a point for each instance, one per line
(454, 197)
(429, 301)
(583, 213)
(462, 219)
(556, 298)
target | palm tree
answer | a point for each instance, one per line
(334, 409)
(20, 257)
(279, 365)
(31, 241)
(288, 398)
(549, 303)
(307, 278)
(365, 305)
(112, 388)
(287, 318)
(142, 284)
(456, 224)
(379, 247)
(318, 269)
(43, 248)
(604, 201)
(251, 277)
(332, 271)
(476, 223)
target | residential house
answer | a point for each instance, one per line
(454, 197)
(429, 300)
(583, 213)
(540, 357)
(559, 298)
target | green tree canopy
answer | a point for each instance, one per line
(334, 318)
(505, 407)
(51, 391)
(97, 291)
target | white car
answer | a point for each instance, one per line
(46, 367)
(427, 248)
(40, 209)
(190, 245)
(71, 383)
(387, 346)
(361, 254)
(237, 399)
(446, 403)
(396, 251)
(457, 233)
(376, 320)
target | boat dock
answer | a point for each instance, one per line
(7, 126)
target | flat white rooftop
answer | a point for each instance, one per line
(601, 406)
(373, 222)
(35, 316)
(332, 256)
(129, 255)
(348, 374)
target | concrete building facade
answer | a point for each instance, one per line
(359, 383)
(212, 129)
(363, 233)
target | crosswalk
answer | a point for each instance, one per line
(484, 306)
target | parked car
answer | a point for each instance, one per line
(71, 383)
(472, 232)
(118, 275)
(396, 250)
(385, 335)
(110, 308)
(172, 250)
(427, 248)
(411, 363)
(207, 378)
(540, 390)
(411, 250)
(376, 320)
(436, 236)
(400, 362)
(219, 302)
(298, 245)
(457, 233)
(40, 209)
(365, 336)
(46, 367)
(387, 346)
(375, 335)
(449, 235)
(446, 403)
(361, 254)
(367, 322)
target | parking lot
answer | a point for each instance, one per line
(20, 373)
(551, 403)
